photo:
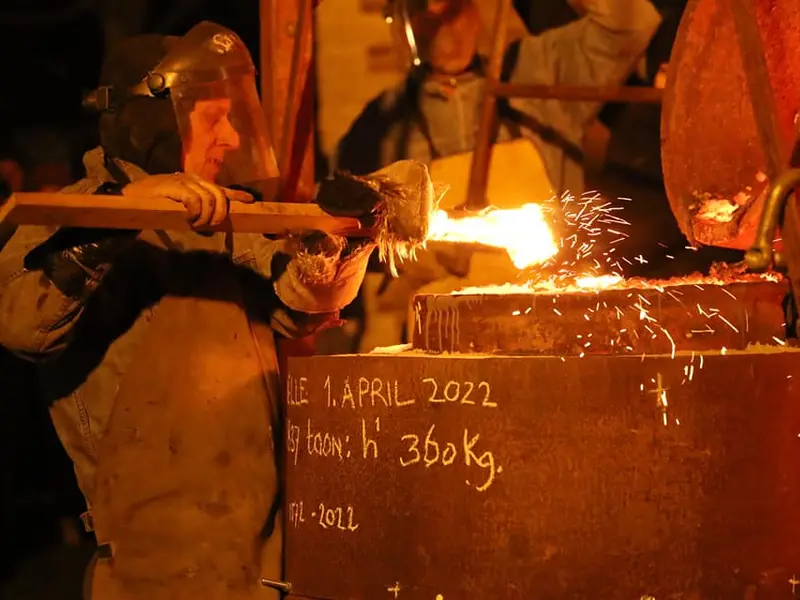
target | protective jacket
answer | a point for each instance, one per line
(157, 355)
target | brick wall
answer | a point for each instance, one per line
(355, 62)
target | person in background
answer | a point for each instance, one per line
(12, 176)
(156, 351)
(433, 117)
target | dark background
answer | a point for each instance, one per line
(51, 53)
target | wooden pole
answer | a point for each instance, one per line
(280, 26)
(575, 93)
(147, 213)
(482, 155)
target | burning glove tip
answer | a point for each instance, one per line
(408, 193)
(409, 203)
(396, 201)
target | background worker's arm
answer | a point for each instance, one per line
(601, 48)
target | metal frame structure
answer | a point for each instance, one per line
(482, 156)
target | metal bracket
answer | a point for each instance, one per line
(282, 586)
(761, 256)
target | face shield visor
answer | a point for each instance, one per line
(223, 133)
(446, 33)
(210, 78)
(402, 16)
(440, 33)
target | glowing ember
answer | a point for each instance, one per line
(592, 284)
(600, 282)
(523, 232)
(718, 210)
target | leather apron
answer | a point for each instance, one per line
(186, 488)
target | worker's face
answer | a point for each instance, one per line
(211, 136)
(447, 33)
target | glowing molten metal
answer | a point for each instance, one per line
(523, 232)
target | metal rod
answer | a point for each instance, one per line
(759, 256)
(482, 155)
(789, 259)
(575, 93)
(759, 86)
(283, 586)
(790, 226)
(781, 206)
(781, 211)
(790, 231)
(294, 72)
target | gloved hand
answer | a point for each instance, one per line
(396, 201)
(206, 203)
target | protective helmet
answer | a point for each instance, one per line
(403, 17)
(142, 131)
(208, 78)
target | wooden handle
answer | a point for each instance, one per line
(125, 212)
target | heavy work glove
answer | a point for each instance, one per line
(206, 204)
(321, 272)
(396, 201)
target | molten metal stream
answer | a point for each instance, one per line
(523, 232)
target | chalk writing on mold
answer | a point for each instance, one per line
(372, 392)
(394, 423)
(461, 392)
(313, 441)
(339, 517)
(364, 392)
(296, 390)
(429, 451)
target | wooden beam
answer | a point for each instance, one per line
(124, 212)
(577, 93)
(482, 155)
(279, 26)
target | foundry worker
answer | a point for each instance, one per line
(156, 350)
(433, 115)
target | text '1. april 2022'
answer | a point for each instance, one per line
(404, 428)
